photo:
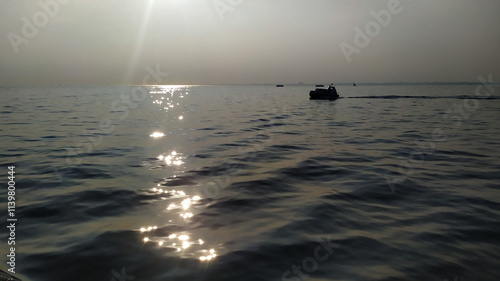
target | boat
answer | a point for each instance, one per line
(324, 94)
(354, 84)
(319, 85)
(280, 86)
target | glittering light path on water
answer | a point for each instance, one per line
(177, 202)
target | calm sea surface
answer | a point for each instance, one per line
(252, 183)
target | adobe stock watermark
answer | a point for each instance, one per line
(106, 126)
(121, 276)
(40, 19)
(310, 264)
(372, 29)
(456, 279)
(223, 6)
(457, 115)
(11, 220)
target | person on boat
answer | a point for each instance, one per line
(332, 90)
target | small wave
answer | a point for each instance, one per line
(262, 187)
(423, 97)
(86, 171)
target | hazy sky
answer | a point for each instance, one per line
(247, 41)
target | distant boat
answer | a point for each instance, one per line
(280, 86)
(324, 94)
(319, 85)
(354, 84)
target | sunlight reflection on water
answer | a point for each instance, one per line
(166, 96)
(183, 242)
(179, 203)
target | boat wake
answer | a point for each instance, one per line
(424, 97)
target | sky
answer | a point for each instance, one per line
(247, 41)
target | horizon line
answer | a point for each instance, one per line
(268, 83)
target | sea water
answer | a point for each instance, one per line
(252, 182)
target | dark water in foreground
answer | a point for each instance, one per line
(253, 183)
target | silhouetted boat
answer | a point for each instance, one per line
(324, 94)
(354, 84)
(319, 85)
(280, 86)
